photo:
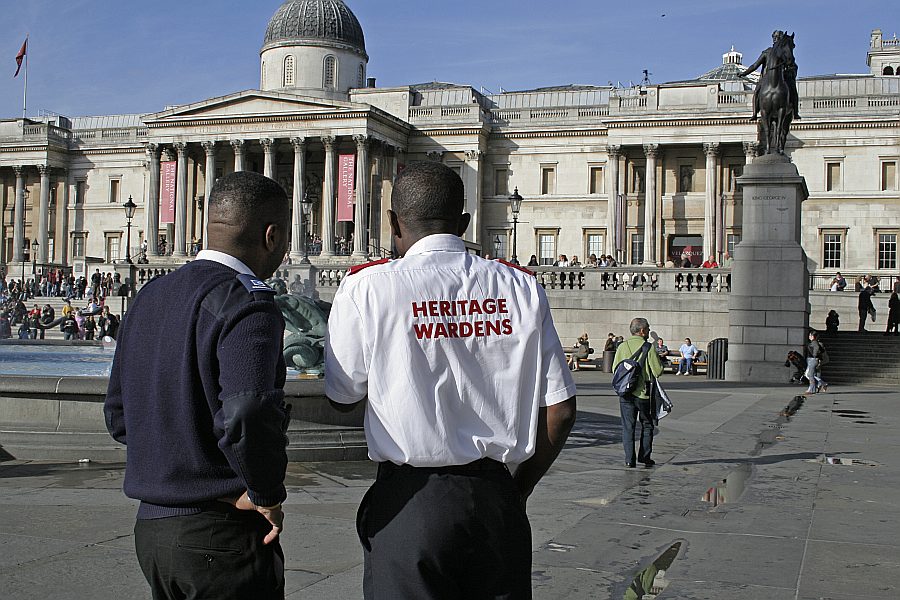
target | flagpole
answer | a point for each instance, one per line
(25, 93)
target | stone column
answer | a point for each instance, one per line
(651, 151)
(268, 145)
(612, 187)
(768, 307)
(360, 232)
(751, 151)
(43, 232)
(473, 195)
(709, 213)
(298, 233)
(19, 217)
(238, 146)
(181, 202)
(210, 176)
(151, 212)
(328, 199)
(61, 247)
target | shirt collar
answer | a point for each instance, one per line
(439, 242)
(225, 259)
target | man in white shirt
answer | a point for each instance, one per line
(688, 353)
(465, 378)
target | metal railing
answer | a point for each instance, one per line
(823, 282)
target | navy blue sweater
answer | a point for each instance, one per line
(196, 393)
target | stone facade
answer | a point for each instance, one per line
(644, 173)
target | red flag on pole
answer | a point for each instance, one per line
(20, 56)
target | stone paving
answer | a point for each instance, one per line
(780, 521)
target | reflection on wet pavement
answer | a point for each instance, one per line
(731, 488)
(651, 582)
(857, 462)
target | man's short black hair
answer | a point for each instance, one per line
(428, 193)
(248, 199)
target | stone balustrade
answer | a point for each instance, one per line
(635, 278)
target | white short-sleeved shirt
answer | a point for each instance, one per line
(455, 353)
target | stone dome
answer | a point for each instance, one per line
(315, 21)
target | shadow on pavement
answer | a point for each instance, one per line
(760, 460)
(592, 430)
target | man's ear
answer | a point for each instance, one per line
(464, 220)
(395, 224)
(274, 235)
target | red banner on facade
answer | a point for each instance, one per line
(167, 172)
(346, 181)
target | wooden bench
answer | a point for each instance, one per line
(584, 362)
(695, 365)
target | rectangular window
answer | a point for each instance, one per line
(732, 241)
(80, 189)
(548, 180)
(112, 248)
(78, 246)
(637, 248)
(832, 245)
(888, 176)
(887, 251)
(114, 188)
(501, 182)
(832, 176)
(596, 175)
(547, 248)
(593, 244)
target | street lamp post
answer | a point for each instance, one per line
(129, 207)
(515, 205)
(306, 204)
(497, 243)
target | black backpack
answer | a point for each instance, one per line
(627, 376)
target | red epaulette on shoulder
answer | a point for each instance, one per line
(514, 266)
(357, 268)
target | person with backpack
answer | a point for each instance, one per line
(639, 367)
(816, 356)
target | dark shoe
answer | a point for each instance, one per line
(630, 465)
(649, 464)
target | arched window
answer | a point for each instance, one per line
(330, 74)
(888, 71)
(288, 70)
(361, 76)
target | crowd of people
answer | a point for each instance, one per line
(57, 283)
(593, 262)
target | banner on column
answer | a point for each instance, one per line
(346, 181)
(167, 172)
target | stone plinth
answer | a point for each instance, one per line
(768, 308)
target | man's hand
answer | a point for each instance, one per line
(273, 515)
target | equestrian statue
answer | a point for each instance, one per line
(775, 98)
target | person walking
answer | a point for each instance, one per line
(200, 406)
(637, 406)
(816, 357)
(865, 307)
(465, 377)
(893, 319)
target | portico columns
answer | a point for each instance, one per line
(473, 195)
(152, 206)
(44, 214)
(709, 213)
(210, 175)
(298, 235)
(328, 199)
(19, 217)
(60, 247)
(238, 146)
(751, 151)
(651, 151)
(360, 235)
(181, 201)
(268, 145)
(612, 186)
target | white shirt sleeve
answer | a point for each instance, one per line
(346, 352)
(557, 384)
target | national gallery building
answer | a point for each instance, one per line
(645, 173)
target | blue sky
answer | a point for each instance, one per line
(90, 57)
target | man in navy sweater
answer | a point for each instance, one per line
(200, 405)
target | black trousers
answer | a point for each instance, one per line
(217, 554)
(445, 533)
(634, 409)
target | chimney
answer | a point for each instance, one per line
(370, 82)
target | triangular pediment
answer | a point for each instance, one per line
(252, 103)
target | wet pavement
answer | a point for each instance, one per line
(753, 496)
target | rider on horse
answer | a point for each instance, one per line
(769, 58)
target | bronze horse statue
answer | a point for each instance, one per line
(775, 95)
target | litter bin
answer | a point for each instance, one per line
(717, 354)
(608, 356)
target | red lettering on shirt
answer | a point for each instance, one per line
(423, 330)
(446, 307)
(507, 327)
(419, 309)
